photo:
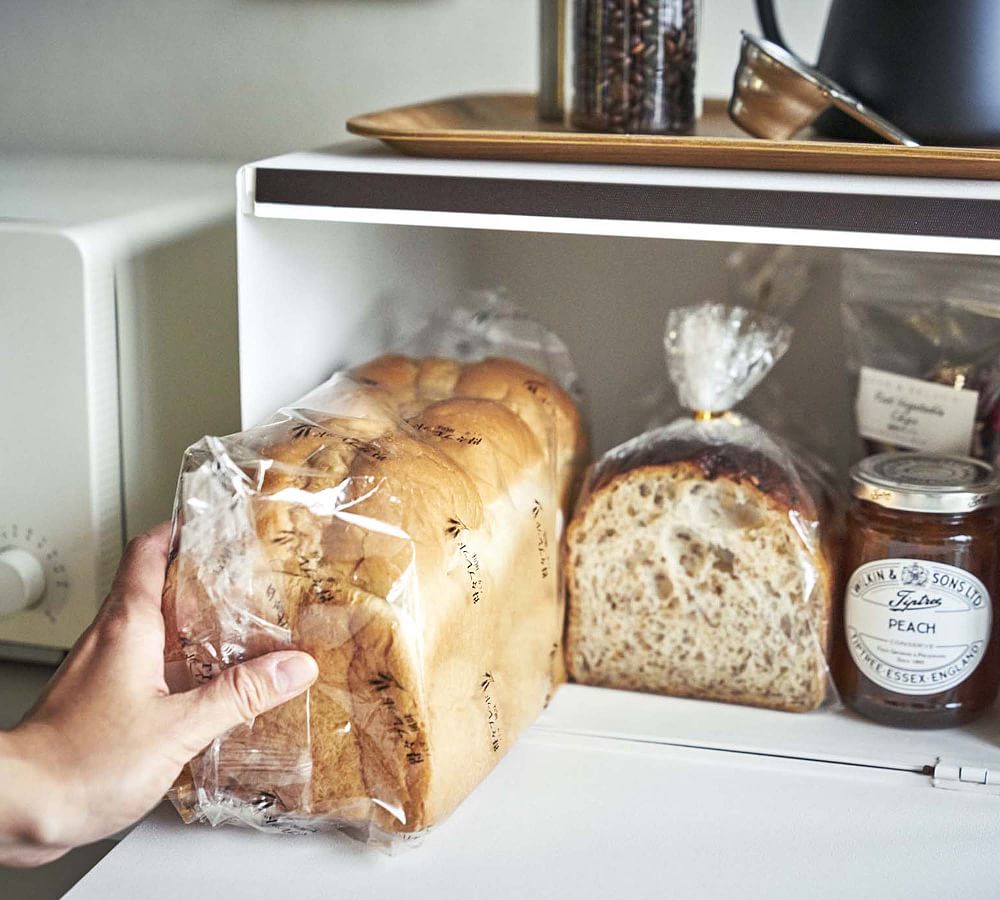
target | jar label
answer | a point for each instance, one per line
(916, 627)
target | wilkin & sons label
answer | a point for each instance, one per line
(916, 627)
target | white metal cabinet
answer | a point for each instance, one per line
(611, 793)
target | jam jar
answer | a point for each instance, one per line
(916, 641)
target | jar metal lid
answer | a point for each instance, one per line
(926, 482)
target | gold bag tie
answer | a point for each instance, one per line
(706, 415)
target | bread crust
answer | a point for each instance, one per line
(773, 487)
(736, 462)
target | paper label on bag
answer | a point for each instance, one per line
(915, 414)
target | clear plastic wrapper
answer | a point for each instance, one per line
(768, 281)
(924, 318)
(401, 523)
(700, 560)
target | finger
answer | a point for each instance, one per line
(242, 692)
(142, 569)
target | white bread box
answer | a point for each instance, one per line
(611, 794)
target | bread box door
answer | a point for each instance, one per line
(567, 815)
(966, 758)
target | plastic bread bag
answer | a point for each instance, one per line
(770, 280)
(401, 523)
(923, 339)
(699, 561)
(764, 280)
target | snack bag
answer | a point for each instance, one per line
(400, 523)
(697, 560)
(923, 341)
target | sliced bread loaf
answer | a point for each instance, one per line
(695, 570)
(398, 527)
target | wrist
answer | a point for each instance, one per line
(35, 811)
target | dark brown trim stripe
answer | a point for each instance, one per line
(873, 213)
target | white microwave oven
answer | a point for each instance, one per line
(118, 349)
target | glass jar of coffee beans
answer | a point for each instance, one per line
(633, 65)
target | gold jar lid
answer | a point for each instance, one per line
(926, 482)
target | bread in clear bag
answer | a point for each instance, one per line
(698, 560)
(401, 523)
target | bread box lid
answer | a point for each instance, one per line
(835, 736)
(572, 815)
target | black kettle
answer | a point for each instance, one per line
(932, 67)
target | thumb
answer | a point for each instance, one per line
(243, 692)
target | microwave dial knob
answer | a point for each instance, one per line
(22, 580)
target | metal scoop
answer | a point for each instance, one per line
(776, 95)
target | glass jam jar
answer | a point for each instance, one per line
(917, 635)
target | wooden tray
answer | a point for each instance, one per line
(505, 126)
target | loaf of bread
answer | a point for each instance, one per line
(695, 567)
(402, 524)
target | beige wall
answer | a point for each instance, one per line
(248, 78)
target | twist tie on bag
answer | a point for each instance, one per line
(704, 415)
(717, 354)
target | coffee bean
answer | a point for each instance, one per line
(634, 65)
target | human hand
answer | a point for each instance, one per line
(107, 739)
